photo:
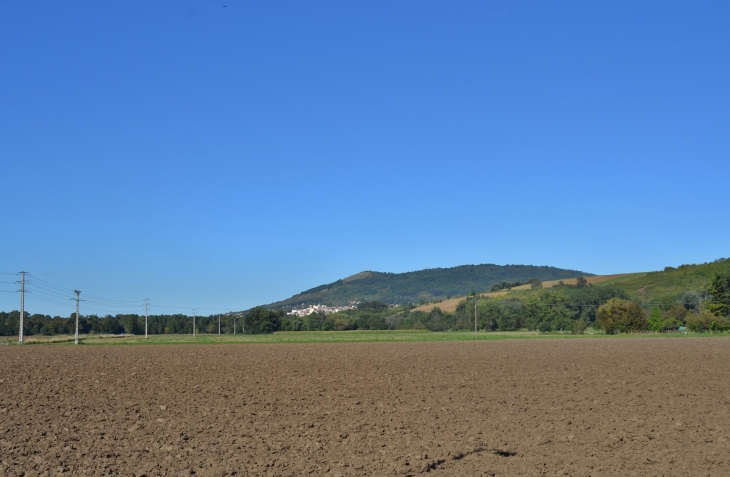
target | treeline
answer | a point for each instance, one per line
(115, 324)
(571, 308)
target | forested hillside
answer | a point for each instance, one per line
(424, 285)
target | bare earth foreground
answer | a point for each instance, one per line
(524, 407)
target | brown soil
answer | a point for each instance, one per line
(575, 407)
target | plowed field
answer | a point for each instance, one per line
(540, 407)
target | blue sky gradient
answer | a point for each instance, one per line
(222, 158)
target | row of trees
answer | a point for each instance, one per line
(626, 316)
(124, 323)
(548, 312)
(563, 308)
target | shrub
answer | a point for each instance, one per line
(656, 322)
(676, 313)
(579, 327)
(672, 324)
(705, 320)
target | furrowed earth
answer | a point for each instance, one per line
(575, 407)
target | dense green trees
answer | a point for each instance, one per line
(118, 324)
(624, 316)
(262, 320)
(719, 290)
(372, 305)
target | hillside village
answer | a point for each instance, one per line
(322, 309)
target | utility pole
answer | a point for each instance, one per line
(76, 334)
(22, 306)
(234, 324)
(219, 324)
(475, 318)
(194, 310)
(146, 313)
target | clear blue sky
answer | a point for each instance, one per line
(217, 157)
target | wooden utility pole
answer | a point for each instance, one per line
(475, 317)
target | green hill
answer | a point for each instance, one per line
(672, 282)
(424, 285)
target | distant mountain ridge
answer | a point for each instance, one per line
(427, 285)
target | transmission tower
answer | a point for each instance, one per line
(22, 306)
(76, 333)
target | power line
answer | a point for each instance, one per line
(42, 292)
(53, 301)
(64, 289)
(53, 291)
(113, 305)
(48, 292)
(187, 307)
(51, 295)
(59, 291)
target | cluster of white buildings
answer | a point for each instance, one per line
(320, 308)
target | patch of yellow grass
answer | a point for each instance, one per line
(450, 305)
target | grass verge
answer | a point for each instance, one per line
(360, 336)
